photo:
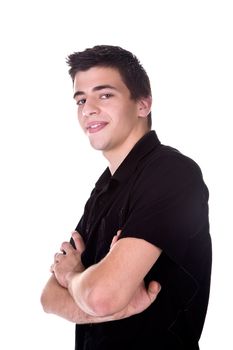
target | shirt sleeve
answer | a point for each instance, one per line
(168, 205)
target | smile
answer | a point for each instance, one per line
(95, 127)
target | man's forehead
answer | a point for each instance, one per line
(96, 77)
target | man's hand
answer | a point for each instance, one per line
(68, 262)
(115, 239)
(142, 299)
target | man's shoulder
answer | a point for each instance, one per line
(165, 157)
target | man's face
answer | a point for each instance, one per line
(107, 114)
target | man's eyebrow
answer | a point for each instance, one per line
(96, 88)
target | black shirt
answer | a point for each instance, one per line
(159, 195)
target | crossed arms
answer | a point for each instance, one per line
(112, 289)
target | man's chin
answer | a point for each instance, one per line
(97, 146)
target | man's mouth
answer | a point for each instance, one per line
(95, 127)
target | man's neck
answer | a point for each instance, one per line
(116, 157)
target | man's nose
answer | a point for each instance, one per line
(90, 108)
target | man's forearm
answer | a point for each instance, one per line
(57, 300)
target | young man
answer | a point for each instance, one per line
(145, 226)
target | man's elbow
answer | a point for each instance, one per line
(99, 303)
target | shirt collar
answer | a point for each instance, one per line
(144, 146)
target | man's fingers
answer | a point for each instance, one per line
(79, 244)
(66, 247)
(57, 257)
(153, 290)
(115, 238)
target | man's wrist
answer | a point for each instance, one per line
(70, 281)
(69, 278)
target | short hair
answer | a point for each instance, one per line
(132, 72)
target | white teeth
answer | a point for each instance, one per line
(94, 126)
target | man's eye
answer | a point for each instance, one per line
(81, 102)
(105, 96)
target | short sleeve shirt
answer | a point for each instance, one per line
(159, 195)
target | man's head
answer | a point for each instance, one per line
(132, 73)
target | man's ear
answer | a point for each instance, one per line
(144, 106)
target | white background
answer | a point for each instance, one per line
(47, 167)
